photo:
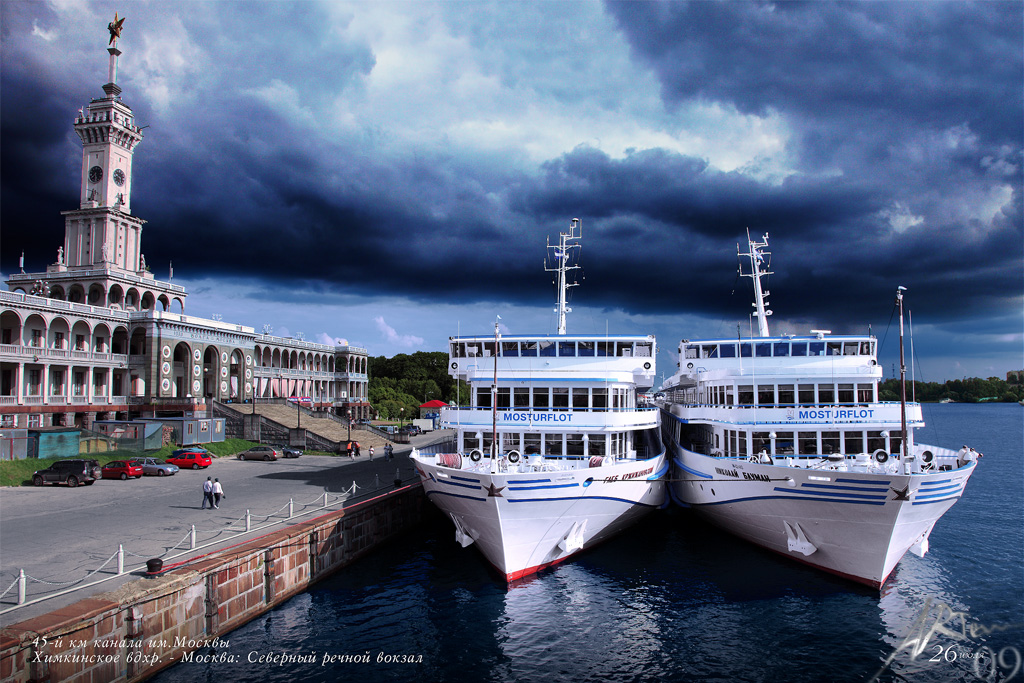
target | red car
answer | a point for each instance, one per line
(190, 460)
(121, 469)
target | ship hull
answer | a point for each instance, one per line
(858, 525)
(523, 522)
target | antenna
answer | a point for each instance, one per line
(562, 254)
(759, 265)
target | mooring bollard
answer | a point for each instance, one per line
(248, 521)
(291, 507)
(325, 498)
(376, 481)
(192, 538)
(21, 587)
(120, 559)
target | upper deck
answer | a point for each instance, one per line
(788, 355)
(622, 358)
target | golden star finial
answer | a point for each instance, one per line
(115, 29)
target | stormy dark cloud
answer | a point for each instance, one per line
(389, 173)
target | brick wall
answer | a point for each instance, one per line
(150, 623)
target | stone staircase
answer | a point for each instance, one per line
(325, 427)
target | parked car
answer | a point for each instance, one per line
(190, 449)
(290, 452)
(260, 453)
(190, 459)
(70, 472)
(155, 467)
(121, 469)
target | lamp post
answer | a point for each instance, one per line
(401, 412)
(349, 424)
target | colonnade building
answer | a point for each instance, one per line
(96, 336)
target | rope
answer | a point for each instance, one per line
(69, 583)
(9, 588)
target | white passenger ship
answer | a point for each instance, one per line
(554, 453)
(783, 441)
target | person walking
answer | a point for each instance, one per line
(357, 448)
(207, 493)
(371, 452)
(389, 451)
(218, 493)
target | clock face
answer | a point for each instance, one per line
(95, 174)
(119, 177)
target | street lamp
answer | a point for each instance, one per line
(349, 424)
(401, 412)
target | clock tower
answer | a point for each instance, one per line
(102, 233)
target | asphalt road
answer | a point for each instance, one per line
(59, 535)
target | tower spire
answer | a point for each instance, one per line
(111, 88)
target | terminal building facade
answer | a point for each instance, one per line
(97, 337)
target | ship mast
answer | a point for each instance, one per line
(903, 378)
(561, 253)
(758, 268)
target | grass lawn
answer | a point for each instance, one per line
(19, 472)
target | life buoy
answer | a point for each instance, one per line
(689, 366)
(513, 457)
(647, 366)
(455, 366)
(475, 455)
(881, 457)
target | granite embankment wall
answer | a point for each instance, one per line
(148, 624)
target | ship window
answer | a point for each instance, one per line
(742, 446)
(746, 395)
(835, 349)
(865, 348)
(553, 444)
(786, 395)
(483, 397)
(895, 436)
(643, 350)
(574, 445)
(586, 348)
(876, 441)
(799, 348)
(846, 393)
(728, 350)
(580, 398)
(567, 349)
(745, 350)
(784, 443)
(817, 349)
(510, 349)
(807, 394)
(851, 348)
(625, 348)
(473, 349)
(458, 350)
(547, 348)
(560, 399)
(761, 442)
(765, 395)
(691, 351)
(489, 349)
(781, 349)
(864, 393)
(531, 444)
(504, 397)
(529, 348)
(709, 351)
(731, 449)
(521, 396)
(541, 400)
(606, 348)
(600, 399)
(808, 443)
(763, 350)
(853, 442)
(597, 445)
(826, 394)
(470, 442)
(830, 443)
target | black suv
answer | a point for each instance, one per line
(70, 472)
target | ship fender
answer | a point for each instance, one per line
(513, 457)
(880, 456)
(475, 455)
